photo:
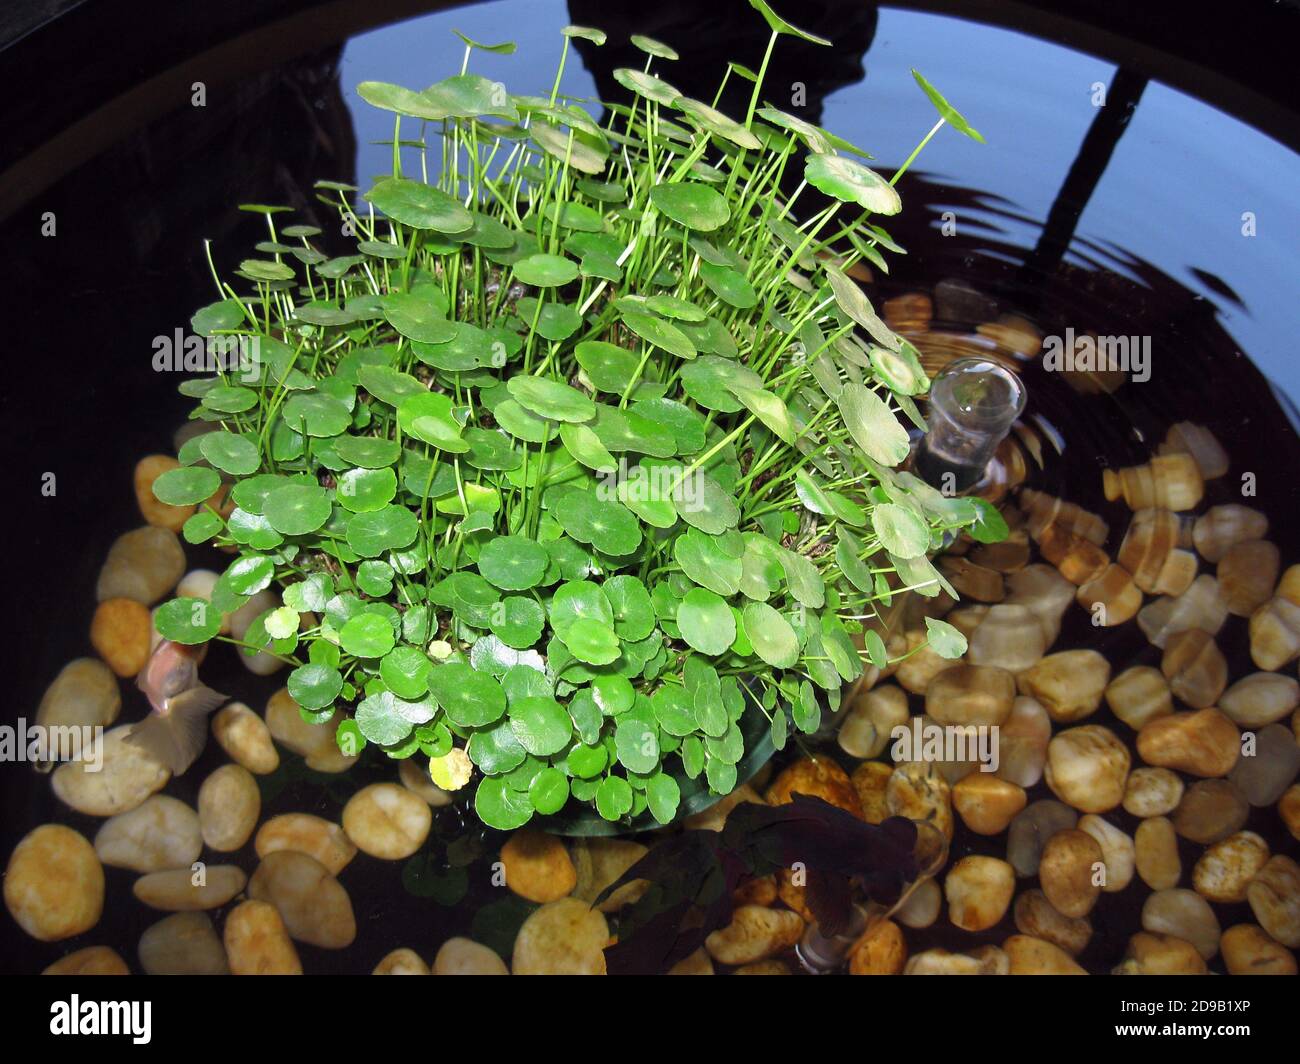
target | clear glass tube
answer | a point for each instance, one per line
(973, 402)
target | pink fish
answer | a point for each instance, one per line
(177, 729)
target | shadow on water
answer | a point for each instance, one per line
(82, 402)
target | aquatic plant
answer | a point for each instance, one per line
(694, 875)
(579, 471)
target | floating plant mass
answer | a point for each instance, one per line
(579, 473)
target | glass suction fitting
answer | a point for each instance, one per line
(973, 402)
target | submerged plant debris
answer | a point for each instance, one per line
(694, 874)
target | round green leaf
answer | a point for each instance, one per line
(814, 136)
(989, 525)
(901, 370)
(729, 285)
(771, 635)
(489, 449)
(418, 317)
(518, 622)
(780, 729)
(316, 414)
(364, 490)
(403, 101)
(634, 615)
(186, 486)
(390, 528)
(368, 452)
(707, 505)
(660, 333)
(714, 121)
(672, 307)
(685, 425)
(587, 717)
(606, 524)
(523, 681)
(381, 721)
(388, 384)
(873, 425)
(627, 430)
(582, 153)
(587, 761)
(230, 452)
(613, 797)
(663, 796)
(851, 182)
(590, 640)
(674, 709)
(405, 671)
(901, 531)
(230, 399)
(546, 271)
(551, 399)
(472, 95)
(375, 578)
(513, 563)
(607, 366)
(854, 302)
(297, 509)
(946, 110)
(770, 409)
(691, 204)
(541, 725)
(263, 270)
(711, 710)
(250, 574)
(367, 635)
(420, 206)
(499, 806)
(428, 417)
(282, 622)
(728, 747)
(585, 446)
(652, 47)
(315, 686)
(945, 640)
(709, 381)
(721, 776)
(201, 527)
(495, 749)
(187, 620)
(603, 191)
(552, 321)
(597, 37)
(646, 85)
(520, 423)
(636, 743)
(711, 561)
(471, 698)
(569, 215)
(549, 791)
(875, 647)
(613, 694)
(216, 317)
(579, 599)
(706, 621)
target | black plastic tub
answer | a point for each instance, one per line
(1129, 219)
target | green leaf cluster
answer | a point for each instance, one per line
(584, 453)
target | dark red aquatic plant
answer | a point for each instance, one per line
(692, 875)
